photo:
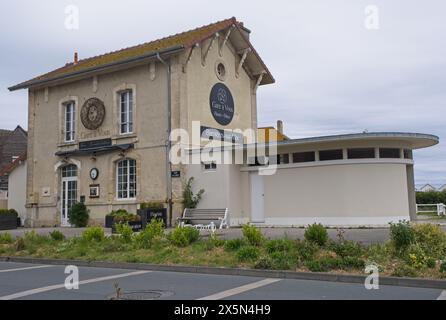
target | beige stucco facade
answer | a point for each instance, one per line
(190, 84)
(17, 189)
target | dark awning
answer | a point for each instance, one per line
(94, 151)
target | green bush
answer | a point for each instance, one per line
(279, 245)
(123, 216)
(264, 262)
(56, 235)
(346, 248)
(152, 205)
(79, 215)
(247, 253)
(213, 242)
(234, 244)
(94, 234)
(282, 260)
(6, 238)
(190, 200)
(431, 263)
(402, 235)
(182, 237)
(19, 244)
(352, 262)
(125, 231)
(431, 238)
(316, 233)
(404, 271)
(431, 197)
(153, 231)
(306, 250)
(443, 266)
(316, 266)
(9, 212)
(252, 235)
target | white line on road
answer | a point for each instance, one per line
(26, 268)
(60, 286)
(442, 296)
(234, 291)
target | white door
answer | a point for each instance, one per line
(257, 198)
(69, 197)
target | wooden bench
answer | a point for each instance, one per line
(204, 218)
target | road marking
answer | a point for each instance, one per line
(238, 290)
(26, 268)
(60, 286)
(442, 296)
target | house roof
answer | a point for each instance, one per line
(9, 168)
(174, 43)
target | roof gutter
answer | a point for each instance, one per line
(171, 50)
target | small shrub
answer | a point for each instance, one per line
(282, 260)
(79, 215)
(234, 244)
(431, 239)
(9, 212)
(307, 250)
(402, 235)
(152, 205)
(125, 231)
(190, 200)
(279, 245)
(19, 244)
(182, 237)
(248, 253)
(443, 266)
(153, 231)
(405, 271)
(94, 234)
(213, 242)
(431, 263)
(6, 238)
(416, 257)
(316, 233)
(346, 248)
(252, 235)
(123, 216)
(56, 235)
(315, 266)
(264, 262)
(352, 262)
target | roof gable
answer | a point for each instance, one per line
(176, 42)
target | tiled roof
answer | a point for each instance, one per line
(182, 40)
(10, 167)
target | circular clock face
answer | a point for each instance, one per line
(94, 173)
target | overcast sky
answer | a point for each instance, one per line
(333, 75)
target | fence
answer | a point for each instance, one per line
(438, 208)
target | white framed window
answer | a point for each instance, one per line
(126, 111)
(70, 121)
(126, 179)
(209, 166)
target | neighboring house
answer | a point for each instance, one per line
(267, 134)
(13, 143)
(442, 188)
(16, 173)
(427, 187)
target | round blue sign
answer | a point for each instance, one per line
(222, 104)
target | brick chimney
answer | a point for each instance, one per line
(76, 58)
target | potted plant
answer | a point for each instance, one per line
(8, 219)
(152, 210)
(122, 216)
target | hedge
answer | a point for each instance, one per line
(431, 197)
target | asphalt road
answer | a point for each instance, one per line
(43, 282)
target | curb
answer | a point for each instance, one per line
(316, 276)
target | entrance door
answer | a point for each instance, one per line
(69, 192)
(257, 198)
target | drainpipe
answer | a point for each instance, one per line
(168, 143)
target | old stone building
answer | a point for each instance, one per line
(105, 121)
(99, 133)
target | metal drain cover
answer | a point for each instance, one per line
(142, 295)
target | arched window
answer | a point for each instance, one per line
(69, 171)
(126, 179)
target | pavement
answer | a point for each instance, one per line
(365, 236)
(25, 281)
